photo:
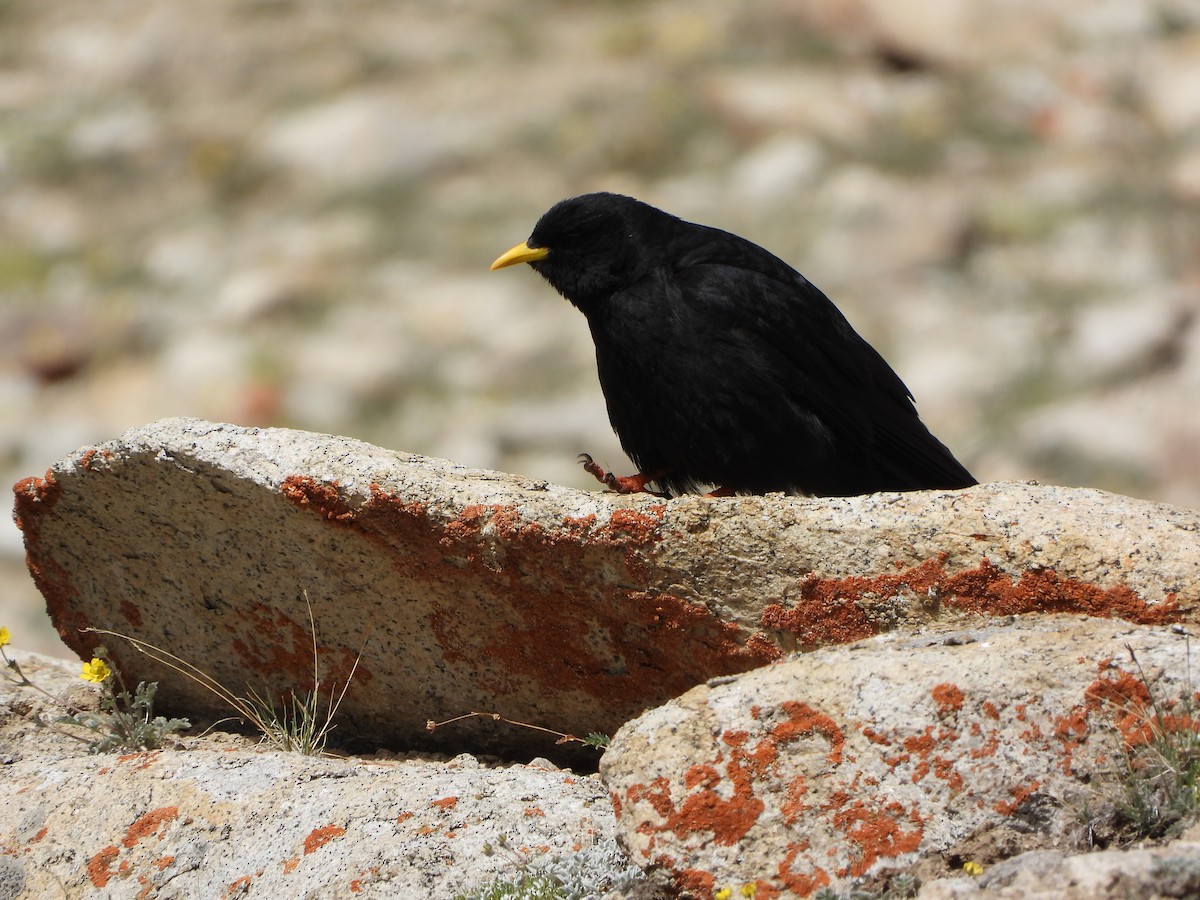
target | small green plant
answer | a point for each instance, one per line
(296, 724)
(602, 869)
(125, 720)
(526, 886)
(1162, 769)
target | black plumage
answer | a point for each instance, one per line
(723, 366)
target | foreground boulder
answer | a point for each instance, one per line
(831, 767)
(216, 816)
(459, 590)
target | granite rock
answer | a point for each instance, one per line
(438, 591)
(850, 762)
(216, 815)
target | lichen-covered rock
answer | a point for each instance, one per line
(839, 764)
(437, 591)
(460, 590)
(215, 816)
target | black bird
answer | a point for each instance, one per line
(724, 366)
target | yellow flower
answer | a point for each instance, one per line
(96, 671)
(5, 637)
(973, 869)
(749, 889)
(723, 894)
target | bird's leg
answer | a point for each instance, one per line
(721, 492)
(627, 484)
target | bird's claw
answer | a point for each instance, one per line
(606, 478)
(630, 484)
(592, 467)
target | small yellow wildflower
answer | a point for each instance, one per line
(749, 889)
(96, 671)
(973, 869)
(723, 894)
(5, 637)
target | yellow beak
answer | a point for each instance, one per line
(519, 254)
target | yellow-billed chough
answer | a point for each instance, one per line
(724, 366)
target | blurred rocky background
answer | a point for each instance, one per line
(282, 212)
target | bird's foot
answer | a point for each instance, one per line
(627, 484)
(721, 492)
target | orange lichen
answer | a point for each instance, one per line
(1072, 731)
(720, 800)
(878, 833)
(802, 884)
(87, 457)
(693, 882)
(623, 646)
(1020, 795)
(875, 737)
(322, 497)
(818, 619)
(143, 759)
(150, 823)
(1118, 689)
(34, 498)
(759, 646)
(1124, 698)
(289, 864)
(1127, 700)
(948, 697)
(802, 721)
(701, 775)
(988, 748)
(1154, 726)
(838, 610)
(657, 794)
(131, 613)
(921, 743)
(446, 803)
(1032, 733)
(793, 805)
(726, 819)
(319, 837)
(273, 643)
(1073, 727)
(946, 770)
(99, 866)
(615, 650)
(367, 877)
(988, 590)
(34, 502)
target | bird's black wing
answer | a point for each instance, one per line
(819, 358)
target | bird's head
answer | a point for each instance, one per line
(588, 247)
